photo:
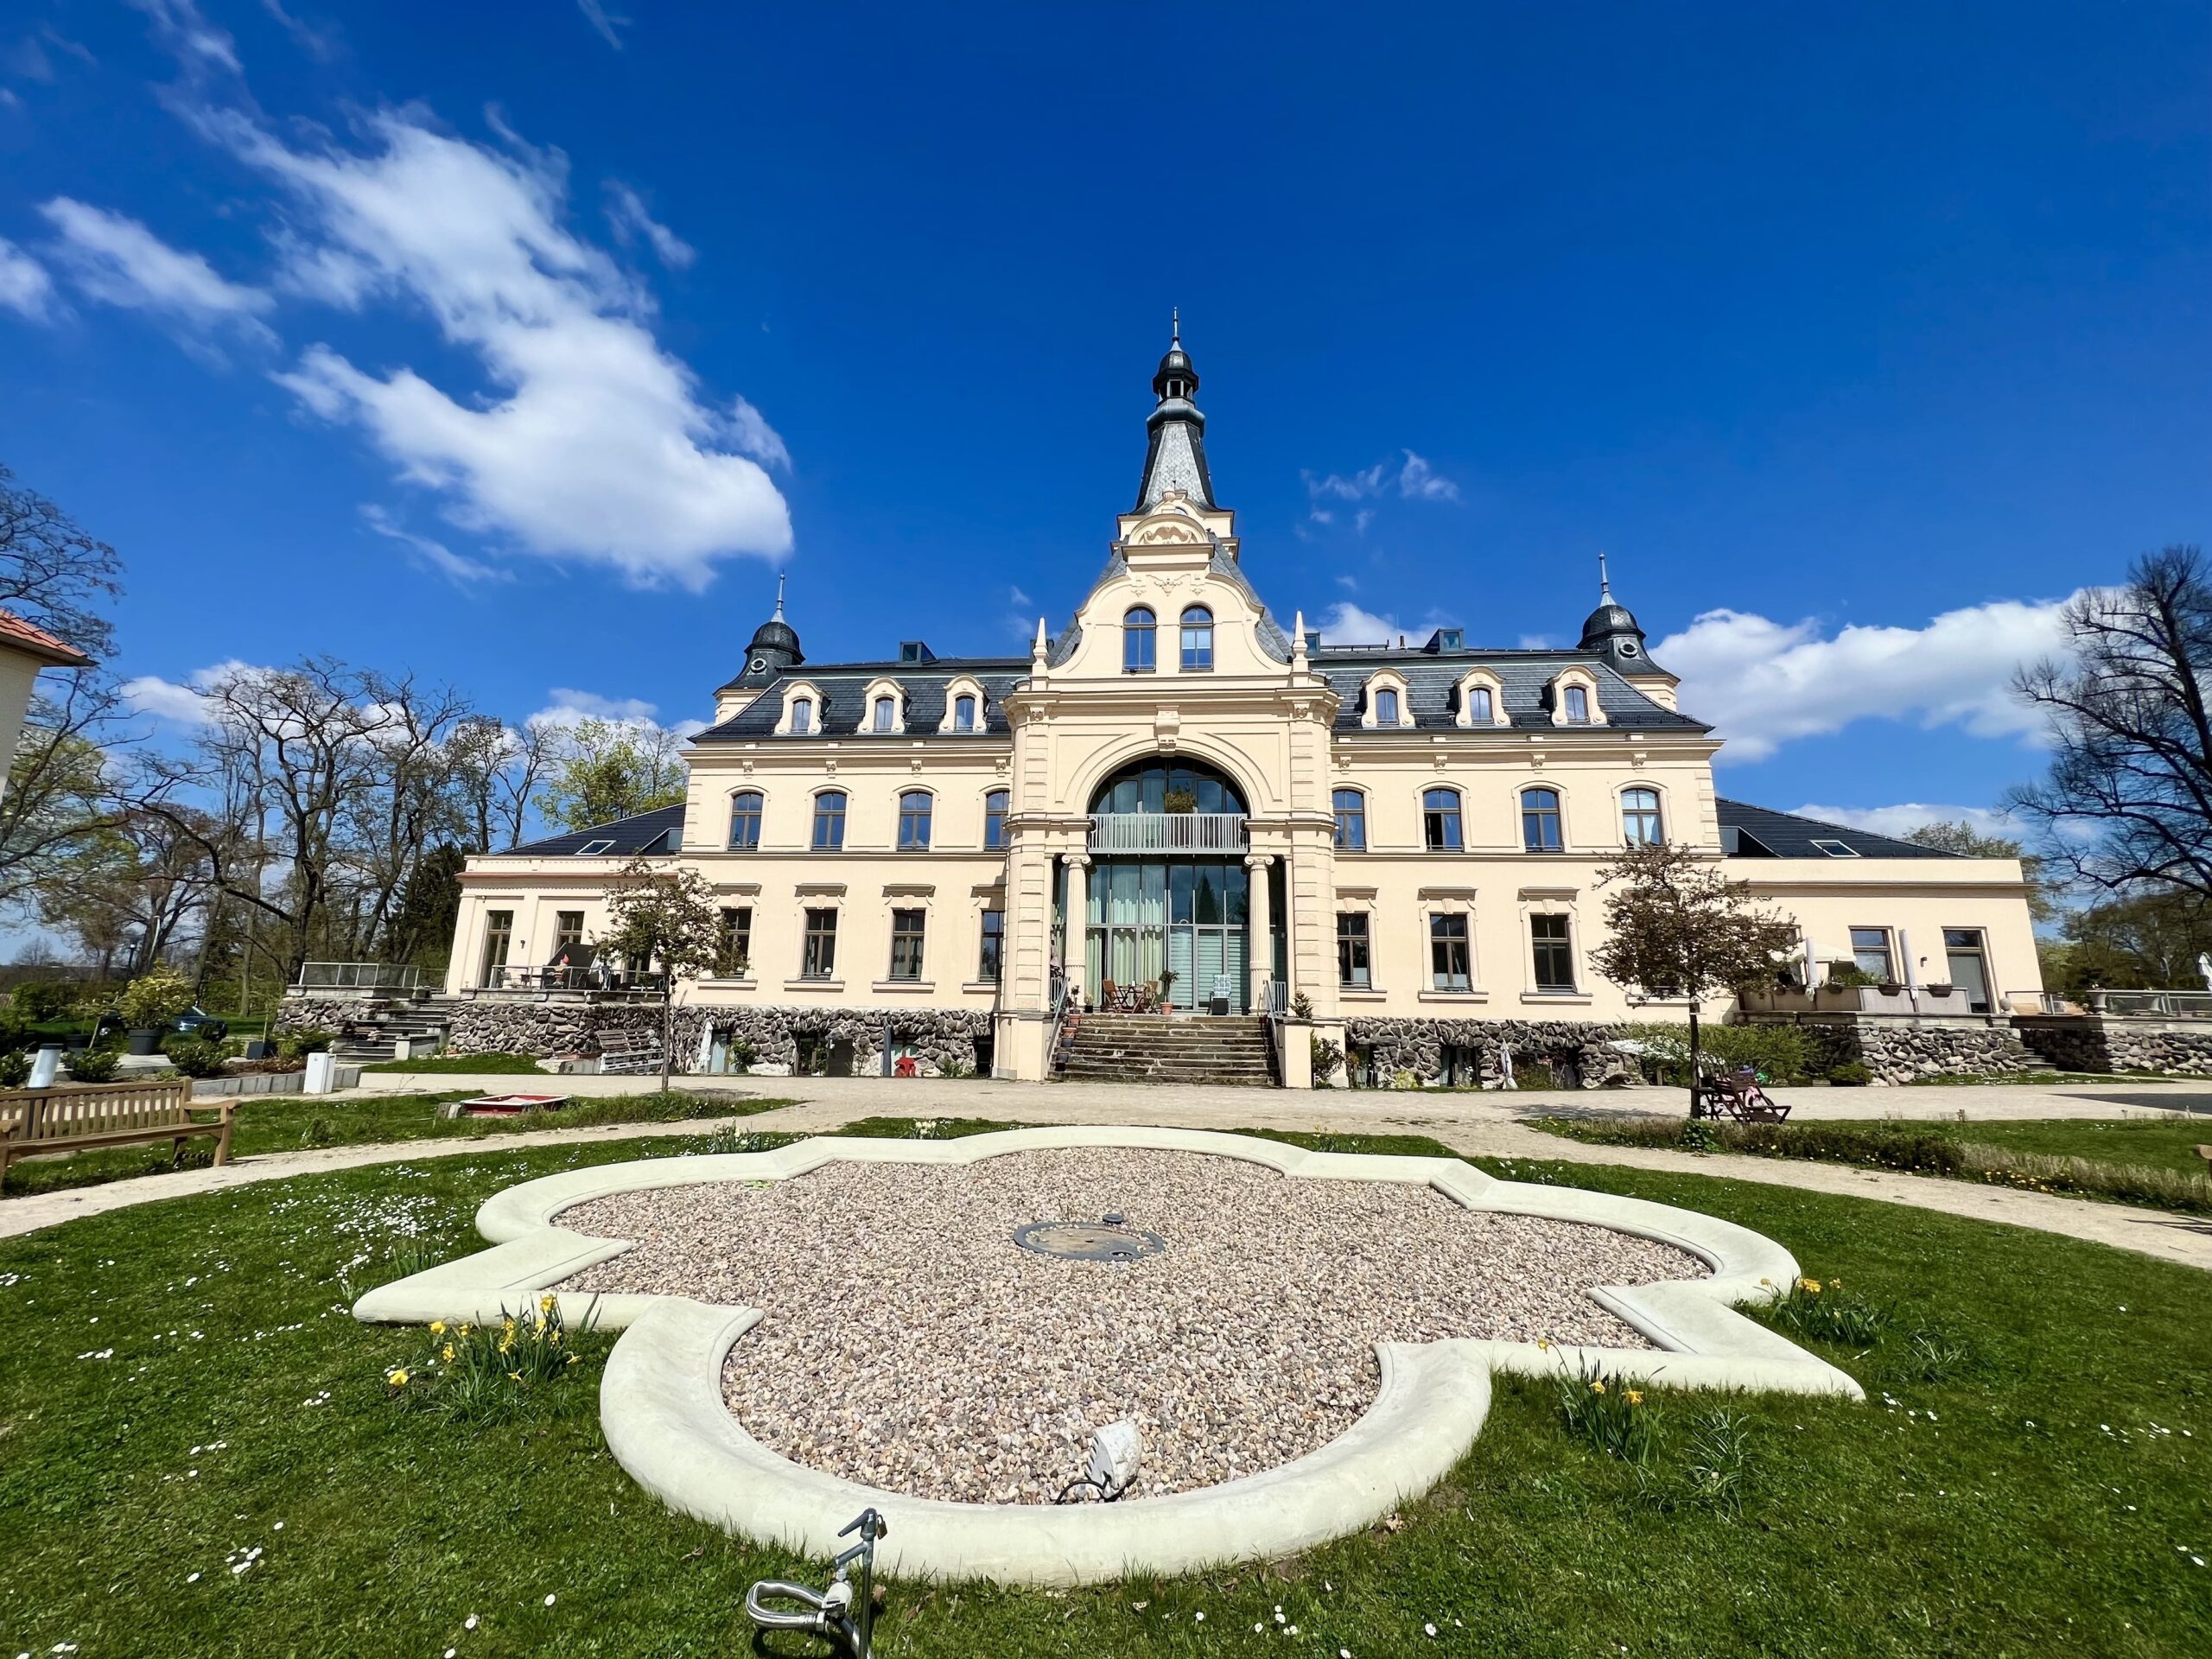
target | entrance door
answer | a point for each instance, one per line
(1969, 966)
(1182, 920)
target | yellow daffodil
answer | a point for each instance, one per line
(545, 1302)
(1810, 1287)
(1543, 1346)
(514, 1377)
(437, 1328)
(398, 1379)
(1597, 1388)
(446, 1354)
(1634, 1396)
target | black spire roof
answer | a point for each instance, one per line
(1175, 457)
(1611, 630)
(774, 649)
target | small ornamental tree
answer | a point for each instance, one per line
(667, 917)
(1678, 929)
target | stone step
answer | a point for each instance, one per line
(1209, 1079)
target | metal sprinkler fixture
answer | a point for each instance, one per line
(832, 1613)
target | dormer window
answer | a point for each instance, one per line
(1573, 698)
(802, 717)
(1386, 706)
(1479, 699)
(885, 716)
(1578, 705)
(594, 848)
(1482, 708)
(963, 714)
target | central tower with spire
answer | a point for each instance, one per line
(1175, 457)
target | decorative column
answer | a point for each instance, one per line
(1078, 921)
(1263, 945)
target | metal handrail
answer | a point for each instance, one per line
(516, 977)
(1063, 996)
(358, 977)
(1167, 832)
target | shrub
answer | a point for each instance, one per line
(16, 1033)
(1852, 1074)
(1327, 1057)
(742, 1052)
(40, 1000)
(1776, 1053)
(479, 1373)
(1533, 1074)
(15, 1069)
(1606, 1411)
(298, 1045)
(95, 1064)
(196, 1057)
(154, 998)
(1847, 975)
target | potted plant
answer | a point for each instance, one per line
(149, 1004)
(1179, 801)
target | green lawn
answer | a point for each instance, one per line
(2158, 1142)
(481, 1064)
(181, 1384)
(288, 1122)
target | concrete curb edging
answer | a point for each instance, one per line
(662, 1407)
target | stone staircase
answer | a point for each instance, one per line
(370, 1037)
(1149, 1048)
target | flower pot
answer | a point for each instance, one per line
(143, 1042)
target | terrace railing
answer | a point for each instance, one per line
(2169, 1005)
(1167, 832)
(358, 977)
(607, 980)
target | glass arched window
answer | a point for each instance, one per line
(829, 821)
(745, 821)
(914, 821)
(1197, 639)
(1480, 709)
(994, 819)
(1578, 705)
(1540, 820)
(1440, 820)
(964, 713)
(1386, 706)
(1140, 632)
(802, 717)
(1146, 788)
(1352, 820)
(1640, 824)
(886, 714)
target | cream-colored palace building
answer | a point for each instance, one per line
(1174, 793)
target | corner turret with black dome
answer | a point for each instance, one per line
(1611, 630)
(774, 648)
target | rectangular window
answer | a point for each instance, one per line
(802, 717)
(994, 819)
(914, 821)
(734, 951)
(745, 821)
(1386, 708)
(1353, 963)
(568, 929)
(963, 714)
(1554, 949)
(1966, 961)
(1478, 706)
(885, 712)
(906, 944)
(987, 966)
(820, 959)
(1352, 821)
(498, 934)
(1440, 820)
(1578, 705)
(1447, 953)
(829, 821)
(1869, 949)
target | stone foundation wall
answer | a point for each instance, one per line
(1898, 1052)
(322, 1013)
(850, 1037)
(1572, 1049)
(2091, 1042)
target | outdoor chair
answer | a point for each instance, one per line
(1736, 1095)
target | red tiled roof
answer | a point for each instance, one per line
(18, 635)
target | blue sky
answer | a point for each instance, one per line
(521, 345)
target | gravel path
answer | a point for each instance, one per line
(909, 1345)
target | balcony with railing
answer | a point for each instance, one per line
(595, 982)
(358, 978)
(1167, 832)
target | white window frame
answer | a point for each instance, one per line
(1580, 677)
(1386, 679)
(1480, 679)
(806, 692)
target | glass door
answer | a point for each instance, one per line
(1968, 966)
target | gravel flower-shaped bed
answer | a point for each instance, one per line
(909, 1343)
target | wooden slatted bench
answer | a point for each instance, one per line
(34, 1122)
(627, 1052)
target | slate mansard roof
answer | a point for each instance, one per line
(1431, 676)
(843, 691)
(647, 832)
(1748, 831)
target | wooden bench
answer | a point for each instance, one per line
(628, 1051)
(34, 1122)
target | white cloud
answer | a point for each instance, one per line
(1765, 683)
(179, 702)
(1414, 478)
(117, 259)
(1345, 624)
(597, 444)
(603, 21)
(570, 707)
(199, 43)
(628, 213)
(456, 566)
(1538, 642)
(1908, 816)
(24, 285)
(319, 44)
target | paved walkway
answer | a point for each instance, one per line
(1481, 1125)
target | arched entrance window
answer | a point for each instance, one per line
(1168, 902)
